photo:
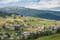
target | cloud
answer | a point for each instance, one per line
(43, 4)
(35, 4)
(7, 1)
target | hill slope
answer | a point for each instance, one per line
(53, 15)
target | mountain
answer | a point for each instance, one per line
(53, 15)
(55, 8)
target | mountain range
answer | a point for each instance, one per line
(47, 14)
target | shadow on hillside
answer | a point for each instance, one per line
(49, 16)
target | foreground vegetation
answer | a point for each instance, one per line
(51, 37)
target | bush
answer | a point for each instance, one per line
(58, 30)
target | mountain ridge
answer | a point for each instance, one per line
(48, 14)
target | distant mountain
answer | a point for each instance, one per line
(55, 8)
(53, 15)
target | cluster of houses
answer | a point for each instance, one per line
(42, 31)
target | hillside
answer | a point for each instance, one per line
(19, 25)
(47, 14)
(27, 19)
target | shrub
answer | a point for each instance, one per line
(58, 30)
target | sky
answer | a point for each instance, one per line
(35, 4)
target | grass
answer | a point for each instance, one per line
(35, 20)
(32, 21)
(51, 37)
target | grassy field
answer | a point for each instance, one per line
(32, 21)
(28, 20)
(51, 37)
